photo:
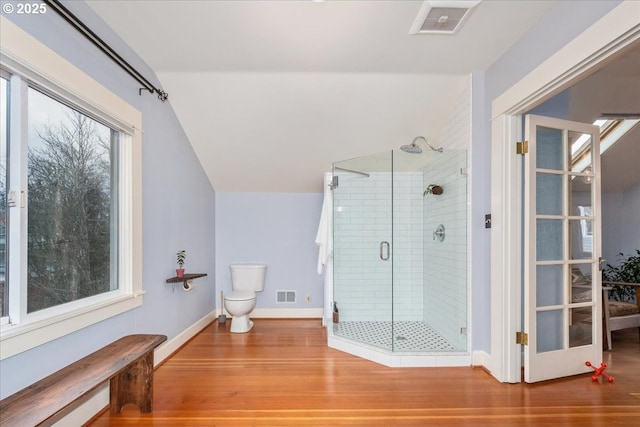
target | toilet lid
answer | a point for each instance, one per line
(240, 296)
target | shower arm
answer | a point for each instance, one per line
(439, 150)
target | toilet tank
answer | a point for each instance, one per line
(248, 277)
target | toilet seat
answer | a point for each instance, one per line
(240, 296)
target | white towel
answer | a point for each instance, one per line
(324, 236)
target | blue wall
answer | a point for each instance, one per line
(562, 23)
(178, 209)
(277, 229)
(620, 224)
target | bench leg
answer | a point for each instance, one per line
(133, 385)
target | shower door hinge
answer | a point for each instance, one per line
(334, 182)
(522, 147)
(522, 338)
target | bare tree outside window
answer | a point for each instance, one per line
(70, 189)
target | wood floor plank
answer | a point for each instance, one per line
(283, 374)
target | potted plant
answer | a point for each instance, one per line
(433, 189)
(181, 255)
(628, 270)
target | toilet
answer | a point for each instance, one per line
(246, 280)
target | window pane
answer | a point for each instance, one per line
(549, 239)
(549, 194)
(551, 323)
(581, 326)
(4, 132)
(581, 239)
(69, 205)
(581, 286)
(549, 285)
(549, 153)
(580, 145)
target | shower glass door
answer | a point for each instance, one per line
(362, 249)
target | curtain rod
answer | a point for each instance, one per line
(105, 48)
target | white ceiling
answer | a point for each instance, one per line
(271, 92)
(333, 36)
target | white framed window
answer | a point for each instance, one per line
(70, 230)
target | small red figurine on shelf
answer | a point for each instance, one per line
(599, 371)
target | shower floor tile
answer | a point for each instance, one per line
(408, 336)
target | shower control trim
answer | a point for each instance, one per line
(384, 250)
(439, 233)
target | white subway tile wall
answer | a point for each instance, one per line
(445, 263)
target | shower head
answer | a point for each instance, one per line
(414, 149)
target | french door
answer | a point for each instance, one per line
(562, 238)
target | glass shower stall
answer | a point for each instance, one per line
(400, 251)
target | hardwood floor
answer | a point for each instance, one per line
(283, 374)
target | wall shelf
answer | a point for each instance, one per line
(184, 279)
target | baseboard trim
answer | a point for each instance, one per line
(287, 313)
(481, 358)
(170, 347)
(98, 400)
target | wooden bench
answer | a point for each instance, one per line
(618, 315)
(127, 363)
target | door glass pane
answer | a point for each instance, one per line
(580, 201)
(581, 231)
(581, 290)
(581, 155)
(549, 285)
(549, 151)
(4, 131)
(550, 330)
(69, 212)
(549, 239)
(362, 245)
(548, 194)
(581, 327)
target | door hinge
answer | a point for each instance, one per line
(522, 147)
(522, 338)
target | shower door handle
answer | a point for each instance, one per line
(384, 255)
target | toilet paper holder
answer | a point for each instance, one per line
(185, 280)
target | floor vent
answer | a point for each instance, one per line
(285, 296)
(441, 17)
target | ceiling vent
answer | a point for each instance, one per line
(441, 17)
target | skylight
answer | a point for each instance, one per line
(611, 130)
(612, 134)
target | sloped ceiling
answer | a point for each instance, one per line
(613, 89)
(271, 92)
